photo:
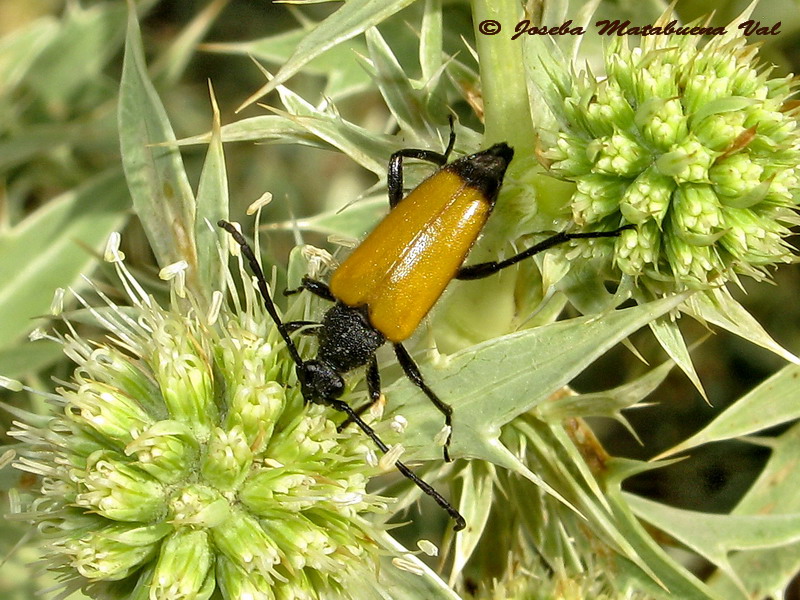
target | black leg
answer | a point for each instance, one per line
(485, 269)
(394, 179)
(374, 387)
(318, 288)
(425, 487)
(411, 370)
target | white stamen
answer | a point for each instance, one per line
(409, 565)
(389, 459)
(112, 253)
(57, 305)
(7, 457)
(265, 199)
(428, 547)
(233, 246)
(317, 258)
(40, 334)
(376, 408)
(345, 241)
(216, 305)
(399, 423)
(14, 502)
(348, 499)
(171, 271)
(441, 437)
(11, 384)
(176, 271)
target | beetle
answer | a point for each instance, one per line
(383, 290)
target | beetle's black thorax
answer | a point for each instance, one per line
(346, 338)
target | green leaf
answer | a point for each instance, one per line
(769, 572)
(718, 306)
(669, 336)
(714, 536)
(162, 197)
(353, 221)
(86, 41)
(431, 40)
(477, 493)
(212, 205)
(28, 357)
(261, 128)
(39, 139)
(666, 579)
(353, 18)
(19, 50)
(172, 64)
(49, 250)
(358, 143)
(773, 402)
(345, 77)
(607, 403)
(505, 94)
(311, 128)
(491, 383)
(403, 100)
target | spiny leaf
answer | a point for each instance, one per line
(490, 384)
(345, 77)
(714, 536)
(212, 205)
(773, 402)
(768, 572)
(354, 17)
(161, 194)
(669, 336)
(666, 579)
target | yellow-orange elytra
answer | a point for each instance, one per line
(402, 268)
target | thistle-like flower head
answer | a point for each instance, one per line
(182, 461)
(696, 146)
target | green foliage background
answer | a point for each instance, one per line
(62, 191)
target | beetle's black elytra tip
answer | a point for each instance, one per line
(484, 170)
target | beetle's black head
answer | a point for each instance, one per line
(484, 170)
(319, 381)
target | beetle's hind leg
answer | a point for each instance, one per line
(394, 177)
(411, 370)
(342, 406)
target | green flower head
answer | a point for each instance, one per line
(697, 147)
(181, 461)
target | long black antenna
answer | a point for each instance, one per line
(339, 405)
(262, 287)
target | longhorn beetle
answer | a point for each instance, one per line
(388, 284)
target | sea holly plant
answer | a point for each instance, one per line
(179, 459)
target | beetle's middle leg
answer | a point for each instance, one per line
(374, 389)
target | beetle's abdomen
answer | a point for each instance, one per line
(401, 269)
